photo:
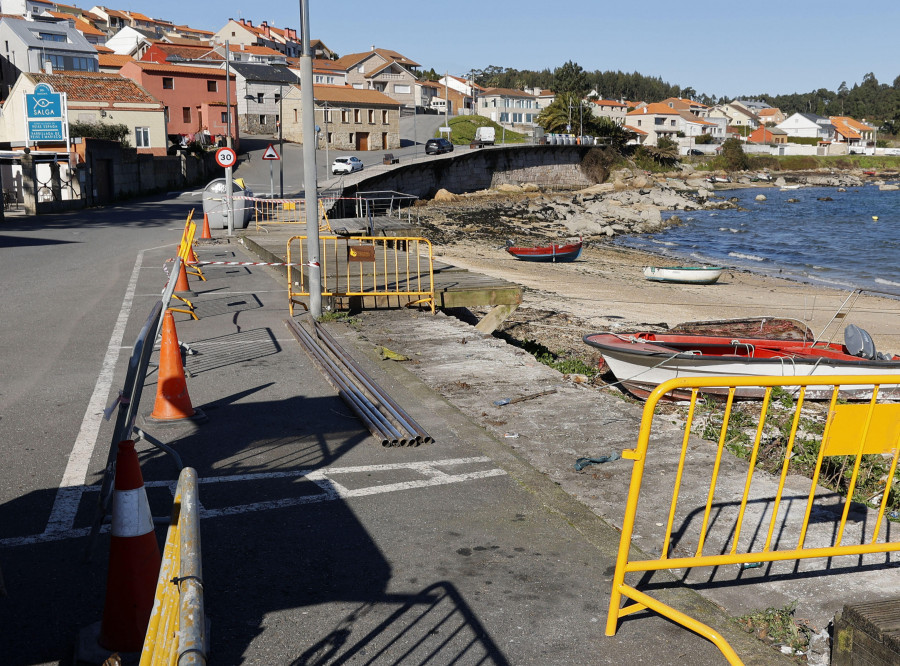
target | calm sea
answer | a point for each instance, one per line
(835, 243)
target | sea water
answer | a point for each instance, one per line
(837, 243)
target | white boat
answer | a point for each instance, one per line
(684, 274)
(786, 188)
(641, 361)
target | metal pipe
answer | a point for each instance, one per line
(347, 395)
(191, 616)
(402, 416)
(370, 415)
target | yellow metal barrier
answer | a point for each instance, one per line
(176, 632)
(365, 266)
(766, 525)
(285, 211)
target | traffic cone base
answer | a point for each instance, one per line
(173, 403)
(134, 559)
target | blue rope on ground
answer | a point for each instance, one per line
(581, 463)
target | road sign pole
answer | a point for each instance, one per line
(271, 180)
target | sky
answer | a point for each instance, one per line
(720, 49)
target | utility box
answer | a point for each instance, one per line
(215, 207)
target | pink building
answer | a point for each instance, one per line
(194, 97)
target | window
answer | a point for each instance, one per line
(371, 116)
(401, 89)
(329, 139)
(211, 86)
(327, 115)
(672, 123)
(356, 115)
(260, 97)
(168, 83)
(320, 78)
(278, 97)
(142, 137)
(186, 114)
(295, 116)
(84, 65)
(262, 120)
(57, 61)
(384, 117)
(517, 117)
(659, 121)
(51, 37)
(224, 119)
(166, 113)
(345, 116)
(504, 117)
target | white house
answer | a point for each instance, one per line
(608, 108)
(808, 125)
(657, 120)
(507, 106)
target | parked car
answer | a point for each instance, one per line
(346, 165)
(694, 151)
(438, 146)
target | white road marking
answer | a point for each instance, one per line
(433, 470)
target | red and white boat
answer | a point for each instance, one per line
(552, 252)
(641, 361)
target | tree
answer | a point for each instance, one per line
(733, 155)
(107, 131)
(570, 78)
(564, 114)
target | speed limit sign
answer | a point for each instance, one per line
(226, 157)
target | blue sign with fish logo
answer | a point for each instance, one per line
(45, 114)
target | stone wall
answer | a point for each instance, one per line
(550, 167)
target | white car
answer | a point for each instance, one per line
(346, 165)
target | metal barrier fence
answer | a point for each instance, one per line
(285, 211)
(176, 633)
(768, 524)
(366, 266)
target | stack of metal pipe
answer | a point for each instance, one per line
(386, 420)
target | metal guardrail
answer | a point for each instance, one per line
(765, 525)
(176, 633)
(366, 266)
(285, 211)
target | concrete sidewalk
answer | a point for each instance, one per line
(320, 546)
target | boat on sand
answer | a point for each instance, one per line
(684, 274)
(552, 252)
(641, 361)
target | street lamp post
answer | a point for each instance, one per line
(229, 201)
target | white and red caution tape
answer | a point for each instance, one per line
(314, 264)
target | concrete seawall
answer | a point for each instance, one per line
(547, 166)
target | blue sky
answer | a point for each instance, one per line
(716, 48)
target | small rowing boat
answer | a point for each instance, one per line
(555, 253)
(684, 274)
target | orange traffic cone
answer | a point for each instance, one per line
(181, 284)
(205, 233)
(133, 559)
(172, 400)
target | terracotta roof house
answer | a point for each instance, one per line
(194, 97)
(349, 118)
(383, 70)
(850, 131)
(609, 108)
(736, 114)
(85, 27)
(161, 51)
(770, 116)
(111, 63)
(767, 135)
(657, 120)
(691, 125)
(640, 136)
(325, 71)
(683, 104)
(253, 53)
(93, 97)
(111, 20)
(244, 32)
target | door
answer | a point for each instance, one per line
(362, 140)
(102, 181)
(384, 141)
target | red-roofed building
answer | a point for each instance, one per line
(767, 135)
(640, 136)
(852, 132)
(383, 70)
(111, 63)
(609, 108)
(657, 120)
(194, 97)
(770, 116)
(350, 119)
(93, 97)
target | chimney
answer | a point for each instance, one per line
(48, 67)
(373, 47)
(242, 21)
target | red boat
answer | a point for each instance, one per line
(555, 253)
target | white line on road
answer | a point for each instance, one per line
(432, 470)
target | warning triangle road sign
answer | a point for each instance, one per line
(271, 153)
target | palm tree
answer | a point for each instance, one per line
(562, 114)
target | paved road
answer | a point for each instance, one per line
(414, 131)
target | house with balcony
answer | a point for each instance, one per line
(658, 120)
(348, 118)
(193, 97)
(92, 97)
(111, 20)
(609, 108)
(852, 132)
(508, 107)
(38, 43)
(383, 70)
(693, 126)
(808, 125)
(260, 89)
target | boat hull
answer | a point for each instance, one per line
(640, 367)
(551, 253)
(684, 274)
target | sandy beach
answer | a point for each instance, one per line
(606, 290)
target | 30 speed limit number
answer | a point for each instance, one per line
(226, 157)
